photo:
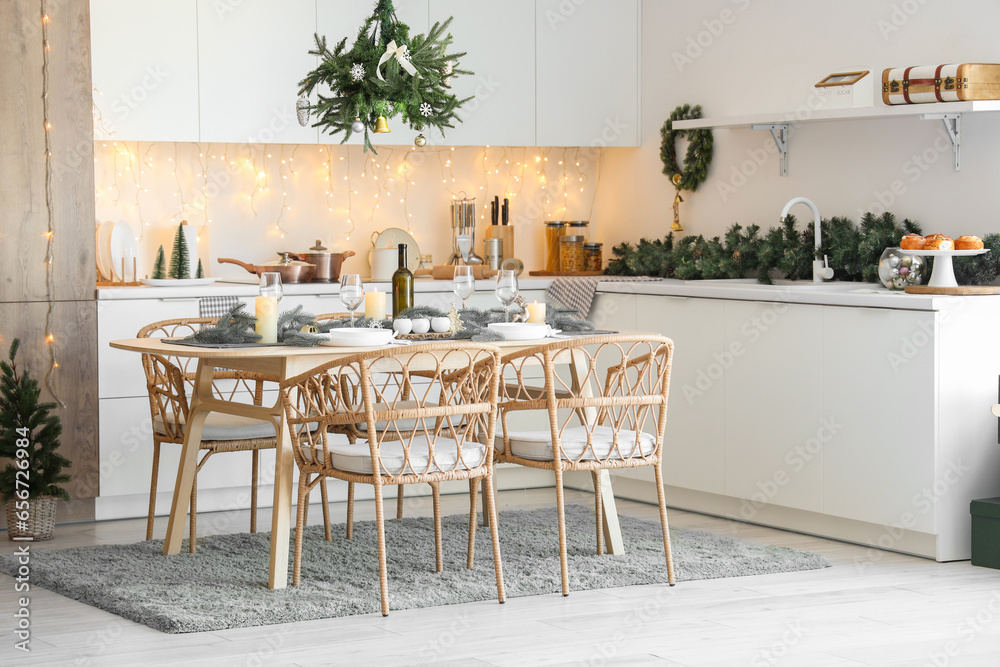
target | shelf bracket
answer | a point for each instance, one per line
(953, 126)
(779, 132)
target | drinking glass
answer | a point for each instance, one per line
(352, 292)
(464, 283)
(270, 285)
(506, 290)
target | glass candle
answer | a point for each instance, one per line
(536, 312)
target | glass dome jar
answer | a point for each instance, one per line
(897, 269)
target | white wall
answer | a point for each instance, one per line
(766, 58)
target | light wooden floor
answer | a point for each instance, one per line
(871, 608)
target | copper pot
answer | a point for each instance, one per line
(291, 271)
(327, 263)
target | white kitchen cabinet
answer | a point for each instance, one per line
(337, 19)
(587, 73)
(251, 57)
(144, 57)
(498, 39)
(879, 409)
(694, 446)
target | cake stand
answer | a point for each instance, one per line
(943, 274)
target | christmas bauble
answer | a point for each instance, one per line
(420, 141)
(899, 283)
(301, 110)
(906, 260)
(893, 261)
(904, 270)
(357, 126)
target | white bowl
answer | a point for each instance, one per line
(402, 325)
(521, 330)
(347, 337)
(440, 324)
(421, 325)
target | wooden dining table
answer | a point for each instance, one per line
(283, 362)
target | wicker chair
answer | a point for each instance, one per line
(450, 420)
(620, 427)
(168, 382)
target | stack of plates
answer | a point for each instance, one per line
(521, 330)
(347, 337)
(116, 246)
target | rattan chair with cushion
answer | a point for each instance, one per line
(169, 381)
(609, 411)
(443, 430)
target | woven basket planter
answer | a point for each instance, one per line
(41, 521)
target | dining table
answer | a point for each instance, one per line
(283, 362)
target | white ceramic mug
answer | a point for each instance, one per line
(440, 324)
(384, 262)
(402, 326)
(421, 325)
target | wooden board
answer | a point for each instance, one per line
(960, 290)
(565, 274)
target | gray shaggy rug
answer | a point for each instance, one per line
(224, 585)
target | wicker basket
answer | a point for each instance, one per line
(41, 521)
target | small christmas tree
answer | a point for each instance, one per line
(26, 425)
(159, 266)
(180, 264)
(199, 272)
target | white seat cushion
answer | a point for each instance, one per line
(357, 458)
(537, 445)
(403, 425)
(222, 426)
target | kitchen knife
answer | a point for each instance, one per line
(496, 208)
(506, 211)
(493, 213)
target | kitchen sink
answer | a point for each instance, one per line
(782, 284)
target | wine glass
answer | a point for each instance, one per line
(352, 292)
(506, 290)
(464, 283)
(270, 285)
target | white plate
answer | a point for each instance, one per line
(104, 249)
(123, 247)
(392, 237)
(171, 282)
(347, 337)
(521, 330)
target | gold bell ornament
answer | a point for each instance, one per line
(381, 127)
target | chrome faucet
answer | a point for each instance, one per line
(821, 267)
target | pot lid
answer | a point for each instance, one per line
(319, 248)
(286, 260)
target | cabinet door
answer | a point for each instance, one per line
(774, 404)
(878, 394)
(337, 19)
(587, 85)
(694, 442)
(496, 37)
(145, 69)
(252, 56)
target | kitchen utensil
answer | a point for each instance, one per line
(520, 330)
(464, 244)
(327, 263)
(291, 271)
(513, 264)
(364, 337)
(463, 223)
(352, 291)
(183, 282)
(463, 283)
(506, 291)
(447, 272)
(124, 250)
(391, 238)
(494, 252)
(505, 212)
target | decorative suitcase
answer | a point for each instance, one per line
(941, 83)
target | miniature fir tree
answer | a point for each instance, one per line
(180, 263)
(199, 272)
(159, 265)
(28, 425)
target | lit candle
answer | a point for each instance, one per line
(375, 305)
(536, 312)
(267, 319)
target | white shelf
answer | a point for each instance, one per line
(949, 113)
(857, 113)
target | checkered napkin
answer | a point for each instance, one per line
(578, 293)
(216, 306)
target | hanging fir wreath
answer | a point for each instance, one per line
(385, 74)
(696, 159)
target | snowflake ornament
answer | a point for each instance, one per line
(357, 72)
(375, 324)
(425, 109)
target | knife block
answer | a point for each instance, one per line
(506, 234)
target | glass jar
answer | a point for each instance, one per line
(554, 230)
(578, 228)
(426, 262)
(592, 257)
(570, 253)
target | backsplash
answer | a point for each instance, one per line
(250, 201)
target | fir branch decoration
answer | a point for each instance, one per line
(159, 265)
(365, 88)
(696, 159)
(235, 327)
(179, 261)
(980, 269)
(24, 417)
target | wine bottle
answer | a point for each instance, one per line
(402, 285)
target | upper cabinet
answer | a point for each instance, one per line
(251, 57)
(498, 39)
(587, 73)
(145, 69)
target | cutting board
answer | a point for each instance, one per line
(565, 274)
(963, 290)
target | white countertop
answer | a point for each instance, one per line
(832, 293)
(249, 288)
